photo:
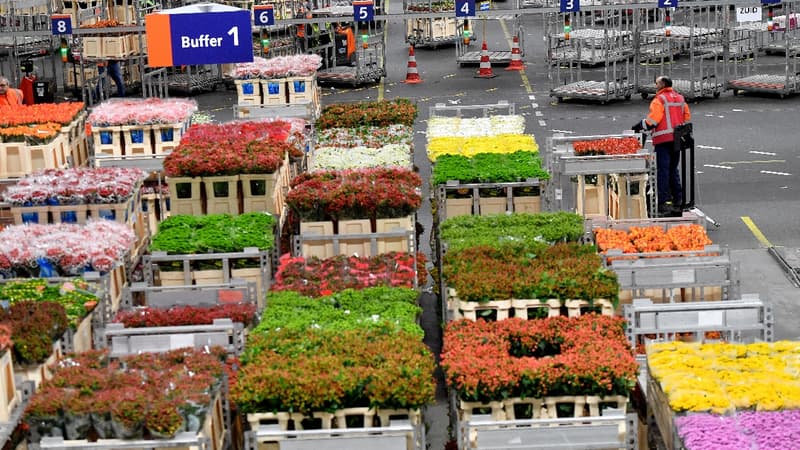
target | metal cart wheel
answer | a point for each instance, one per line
(645, 95)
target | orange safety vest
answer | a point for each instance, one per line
(13, 97)
(673, 104)
(301, 31)
(351, 40)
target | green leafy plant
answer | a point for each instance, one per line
(215, 233)
(489, 168)
(377, 113)
(532, 232)
(73, 295)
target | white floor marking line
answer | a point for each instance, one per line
(756, 152)
(769, 172)
(717, 167)
(709, 147)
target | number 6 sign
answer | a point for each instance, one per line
(264, 15)
(568, 6)
(363, 11)
(465, 8)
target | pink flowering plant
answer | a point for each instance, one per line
(130, 111)
(75, 186)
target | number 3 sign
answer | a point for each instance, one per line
(465, 8)
(363, 11)
(568, 6)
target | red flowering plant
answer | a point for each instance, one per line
(587, 355)
(186, 315)
(234, 148)
(355, 194)
(378, 113)
(140, 383)
(608, 146)
(318, 277)
(565, 271)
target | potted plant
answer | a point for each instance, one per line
(77, 415)
(129, 412)
(44, 415)
(164, 419)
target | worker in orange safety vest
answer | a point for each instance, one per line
(667, 110)
(351, 39)
(8, 95)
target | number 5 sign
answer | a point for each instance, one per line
(667, 3)
(568, 6)
(363, 11)
(465, 8)
(264, 15)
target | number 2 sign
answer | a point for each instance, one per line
(667, 3)
(465, 8)
(568, 6)
(363, 11)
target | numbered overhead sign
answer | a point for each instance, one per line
(465, 8)
(61, 24)
(770, 2)
(363, 11)
(748, 14)
(264, 15)
(199, 34)
(485, 5)
(568, 6)
(667, 3)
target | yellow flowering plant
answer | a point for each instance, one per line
(723, 377)
(470, 146)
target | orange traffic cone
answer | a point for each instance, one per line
(516, 57)
(412, 76)
(485, 70)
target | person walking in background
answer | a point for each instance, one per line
(114, 73)
(667, 110)
(8, 95)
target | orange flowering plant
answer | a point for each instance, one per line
(62, 113)
(40, 133)
(587, 355)
(652, 239)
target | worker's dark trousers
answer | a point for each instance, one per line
(669, 178)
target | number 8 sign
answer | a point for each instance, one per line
(61, 24)
(363, 11)
(568, 6)
(667, 3)
(465, 8)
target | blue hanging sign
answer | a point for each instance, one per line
(199, 34)
(264, 15)
(667, 3)
(61, 24)
(363, 11)
(770, 2)
(465, 8)
(569, 6)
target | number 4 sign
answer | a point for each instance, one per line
(363, 11)
(667, 3)
(465, 8)
(568, 6)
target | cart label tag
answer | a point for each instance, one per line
(709, 318)
(681, 276)
(748, 14)
(465, 8)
